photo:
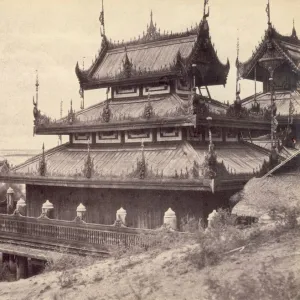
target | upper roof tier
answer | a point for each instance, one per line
(276, 47)
(154, 56)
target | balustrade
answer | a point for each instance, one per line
(81, 234)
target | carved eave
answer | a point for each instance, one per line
(280, 45)
(209, 69)
(85, 75)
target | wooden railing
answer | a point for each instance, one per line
(78, 235)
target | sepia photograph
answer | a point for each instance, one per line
(149, 150)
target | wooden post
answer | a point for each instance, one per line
(11, 263)
(29, 267)
(22, 266)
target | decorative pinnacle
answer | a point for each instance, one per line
(43, 148)
(37, 80)
(268, 13)
(37, 84)
(294, 33)
(205, 14)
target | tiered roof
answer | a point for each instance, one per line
(287, 49)
(176, 165)
(156, 55)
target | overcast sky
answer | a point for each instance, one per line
(52, 36)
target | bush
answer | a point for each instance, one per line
(159, 240)
(67, 261)
(219, 239)
(285, 216)
(67, 279)
(267, 285)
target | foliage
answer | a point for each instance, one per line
(285, 216)
(220, 238)
(156, 241)
(67, 261)
(267, 285)
(67, 279)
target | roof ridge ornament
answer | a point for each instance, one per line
(294, 32)
(88, 169)
(152, 31)
(268, 11)
(42, 163)
(101, 19)
(37, 84)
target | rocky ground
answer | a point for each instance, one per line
(166, 275)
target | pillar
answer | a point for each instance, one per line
(81, 211)
(10, 201)
(21, 207)
(29, 267)
(47, 209)
(11, 263)
(1, 260)
(170, 219)
(21, 264)
(121, 215)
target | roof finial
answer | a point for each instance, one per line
(37, 84)
(294, 33)
(61, 114)
(238, 90)
(83, 63)
(205, 14)
(268, 13)
(151, 17)
(101, 19)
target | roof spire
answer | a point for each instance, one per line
(37, 84)
(205, 14)
(238, 89)
(268, 13)
(294, 33)
(101, 19)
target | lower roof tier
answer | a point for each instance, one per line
(284, 100)
(127, 113)
(167, 166)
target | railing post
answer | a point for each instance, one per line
(121, 216)
(81, 212)
(47, 209)
(21, 207)
(170, 219)
(10, 201)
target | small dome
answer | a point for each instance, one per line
(81, 208)
(21, 202)
(47, 205)
(121, 211)
(170, 213)
(10, 191)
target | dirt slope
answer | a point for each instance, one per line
(165, 276)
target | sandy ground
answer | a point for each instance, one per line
(167, 275)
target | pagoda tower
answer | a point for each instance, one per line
(276, 64)
(157, 141)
